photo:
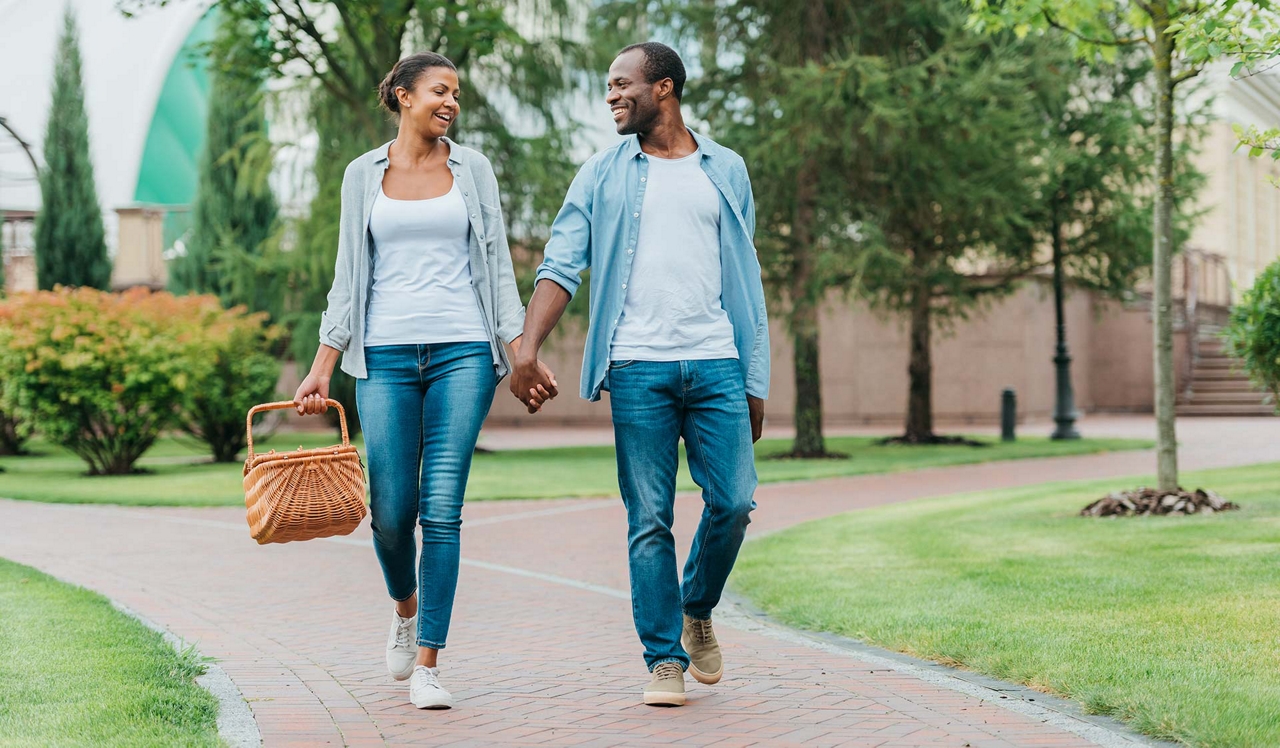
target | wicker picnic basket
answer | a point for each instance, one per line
(309, 493)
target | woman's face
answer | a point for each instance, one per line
(432, 106)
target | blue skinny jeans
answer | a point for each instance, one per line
(421, 408)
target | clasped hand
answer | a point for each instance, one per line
(531, 381)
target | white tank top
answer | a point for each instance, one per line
(422, 290)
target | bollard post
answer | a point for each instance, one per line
(1008, 414)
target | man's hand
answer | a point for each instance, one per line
(532, 382)
(756, 406)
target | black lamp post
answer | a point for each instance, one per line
(1064, 409)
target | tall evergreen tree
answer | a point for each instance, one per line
(234, 210)
(71, 247)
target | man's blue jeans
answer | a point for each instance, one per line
(655, 404)
(421, 409)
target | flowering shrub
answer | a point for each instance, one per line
(243, 374)
(104, 374)
(1254, 332)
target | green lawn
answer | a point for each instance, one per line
(76, 671)
(181, 475)
(1170, 623)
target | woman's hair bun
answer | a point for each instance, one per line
(405, 73)
(387, 93)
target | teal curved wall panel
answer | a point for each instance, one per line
(167, 173)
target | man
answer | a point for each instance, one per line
(665, 221)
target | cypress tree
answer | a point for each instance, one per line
(70, 242)
(234, 210)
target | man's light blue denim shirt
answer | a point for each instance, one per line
(597, 229)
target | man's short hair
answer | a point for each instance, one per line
(661, 61)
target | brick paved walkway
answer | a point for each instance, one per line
(542, 650)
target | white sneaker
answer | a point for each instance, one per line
(402, 647)
(425, 690)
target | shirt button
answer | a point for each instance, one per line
(644, 179)
(633, 215)
(624, 286)
(631, 251)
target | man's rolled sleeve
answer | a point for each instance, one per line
(568, 251)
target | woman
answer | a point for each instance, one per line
(423, 297)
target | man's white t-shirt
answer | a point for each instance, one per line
(672, 310)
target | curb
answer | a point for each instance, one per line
(236, 725)
(1062, 713)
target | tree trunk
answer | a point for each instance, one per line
(1162, 307)
(805, 291)
(12, 441)
(804, 320)
(920, 371)
(808, 414)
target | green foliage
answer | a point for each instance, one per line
(70, 243)
(1098, 196)
(234, 210)
(949, 167)
(1247, 32)
(243, 374)
(1253, 334)
(103, 374)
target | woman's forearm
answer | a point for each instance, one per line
(326, 359)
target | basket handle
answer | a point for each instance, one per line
(282, 405)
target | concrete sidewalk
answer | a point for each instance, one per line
(542, 649)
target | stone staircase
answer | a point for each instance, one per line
(1218, 386)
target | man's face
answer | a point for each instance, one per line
(632, 100)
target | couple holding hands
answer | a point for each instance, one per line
(424, 297)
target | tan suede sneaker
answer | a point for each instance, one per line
(666, 688)
(705, 663)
